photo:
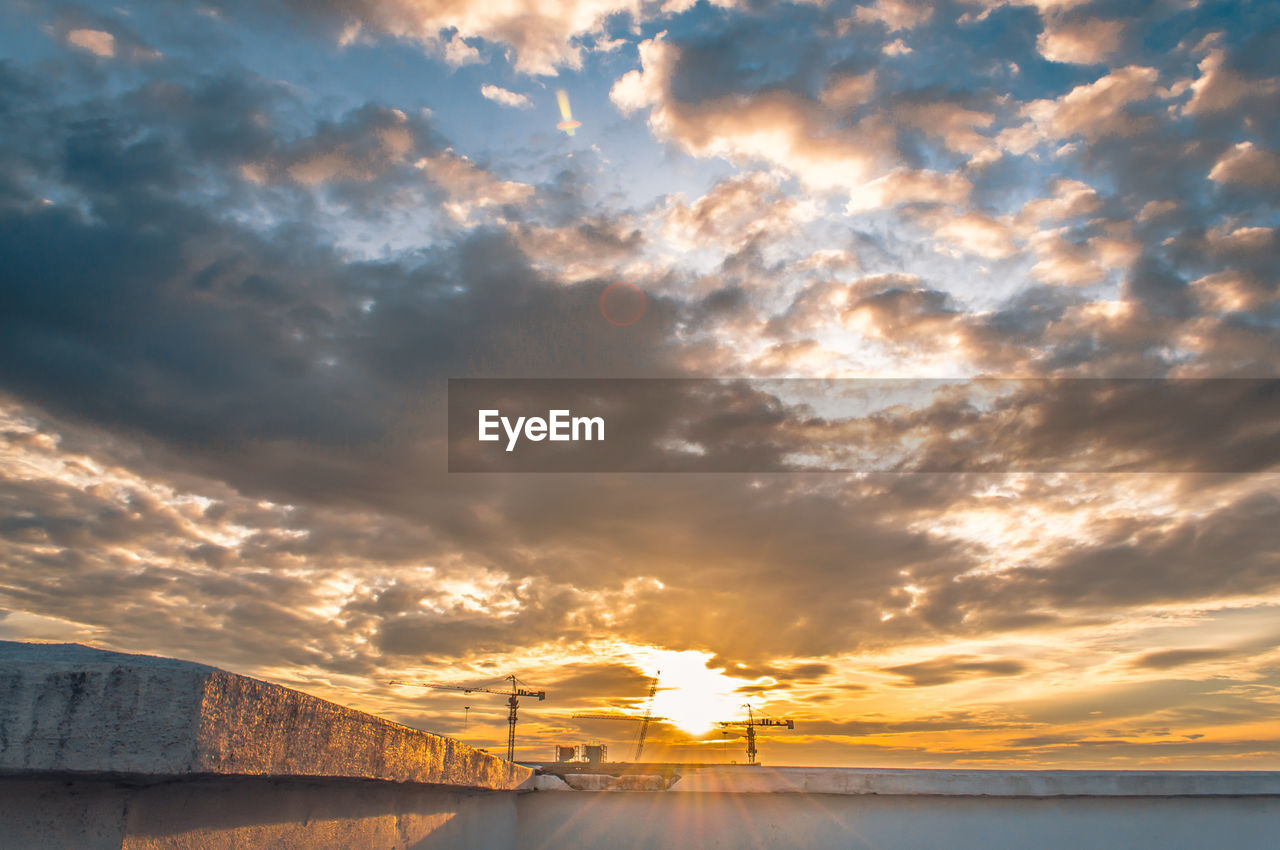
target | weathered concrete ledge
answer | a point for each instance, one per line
(981, 783)
(70, 709)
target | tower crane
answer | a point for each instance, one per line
(644, 719)
(513, 701)
(750, 724)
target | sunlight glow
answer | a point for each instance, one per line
(690, 694)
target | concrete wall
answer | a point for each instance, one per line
(107, 750)
(739, 821)
(72, 709)
(224, 812)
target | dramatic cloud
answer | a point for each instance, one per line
(1092, 111)
(542, 37)
(788, 131)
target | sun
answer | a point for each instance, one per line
(691, 696)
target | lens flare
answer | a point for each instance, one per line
(568, 124)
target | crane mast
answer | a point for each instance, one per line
(648, 712)
(750, 724)
(643, 719)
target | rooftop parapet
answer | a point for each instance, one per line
(70, 709)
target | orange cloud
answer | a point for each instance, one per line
(1247, 165)
(97, 42)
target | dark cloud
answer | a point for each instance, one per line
(945, 721)
(809, 671)
(1166, 659)
(183, 312)
(1222, 554)
(943, 671)
(588, 684)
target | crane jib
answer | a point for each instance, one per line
(512, 694)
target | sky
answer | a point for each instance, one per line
(246, 244)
